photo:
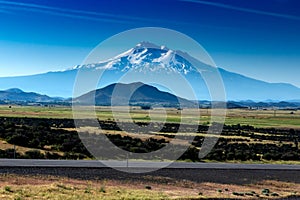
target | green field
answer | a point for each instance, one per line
(256, 118)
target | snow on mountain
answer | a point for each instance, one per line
(145, 44)
(145, 56)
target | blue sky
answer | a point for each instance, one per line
(260, 39)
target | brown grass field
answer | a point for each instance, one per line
(54, 187)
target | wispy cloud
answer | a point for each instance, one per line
(72, 13)
(260, 12)
(81, 14)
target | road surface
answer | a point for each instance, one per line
(179, 171)
(139, 164)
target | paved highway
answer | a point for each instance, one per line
(138, 164)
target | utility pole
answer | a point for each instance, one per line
(127, 157)
(14, 151)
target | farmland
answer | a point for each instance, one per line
(257, 118)
(252, 136)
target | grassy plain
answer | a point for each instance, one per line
(256, 118)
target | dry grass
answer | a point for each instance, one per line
(4, 145)
(50, 187)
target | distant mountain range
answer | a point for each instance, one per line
(255, 105)
(134, 94)
(146, 57)
(17, 95)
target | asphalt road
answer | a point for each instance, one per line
(141, 171)
(139, 164)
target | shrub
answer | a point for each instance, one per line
(148, 187)
(34, 154)
(265, 191)
(274, 195)
(238, 194)
(102, 189)
(290, 156)
(8, 189)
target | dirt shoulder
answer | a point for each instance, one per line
(161, 184)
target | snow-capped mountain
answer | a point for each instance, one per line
(145, 56)
(152, 64)
(146, 62)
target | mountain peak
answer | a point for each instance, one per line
(145, 44)
(138, 84)
(146, 56)
(133, 84)
(149, 45)
(14, 90)
(135, 93)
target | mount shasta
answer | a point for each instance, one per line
(146, 58)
